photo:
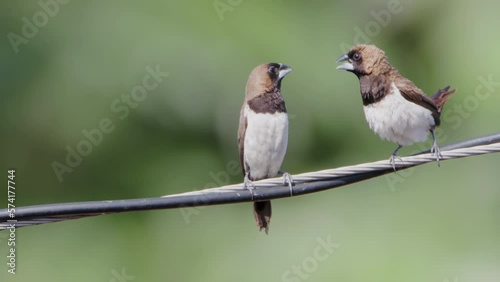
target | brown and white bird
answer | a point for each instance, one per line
(394, 107)
(263, 132)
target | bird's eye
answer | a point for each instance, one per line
(356, 57)
(272, 69)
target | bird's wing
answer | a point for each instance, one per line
(413, 94)
(241, 137)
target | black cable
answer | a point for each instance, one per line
(40, 214)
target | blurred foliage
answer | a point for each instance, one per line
(437, 224)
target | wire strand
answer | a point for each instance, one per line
(304, 183)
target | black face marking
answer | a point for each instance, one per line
(273, 70)
(356, 59)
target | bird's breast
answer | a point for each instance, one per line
(398, 120)
(266, 139)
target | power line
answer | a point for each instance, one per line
(305, 183)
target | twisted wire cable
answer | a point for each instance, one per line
(304, 183)
(384, 165)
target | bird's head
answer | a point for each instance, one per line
(266, 77)
(364, 60)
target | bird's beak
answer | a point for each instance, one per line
(284, 70)
(345, 66)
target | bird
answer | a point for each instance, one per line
(263, 132)
(395, 109)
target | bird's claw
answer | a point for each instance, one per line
(288, 179)
(392, 161)
(248, 185)
(436, 151)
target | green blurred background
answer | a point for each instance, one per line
(431, 224)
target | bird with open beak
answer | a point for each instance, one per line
(263, 132)
(394, 107)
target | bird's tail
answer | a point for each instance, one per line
(262, 214)
(441, 96)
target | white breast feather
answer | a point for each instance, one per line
(266, 139)
(398, 120)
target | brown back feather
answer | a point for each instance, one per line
(241, 138)
(413, 94)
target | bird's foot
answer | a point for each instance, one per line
(287, 179)
(248, 185)
(436, 151)
(392, 160)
